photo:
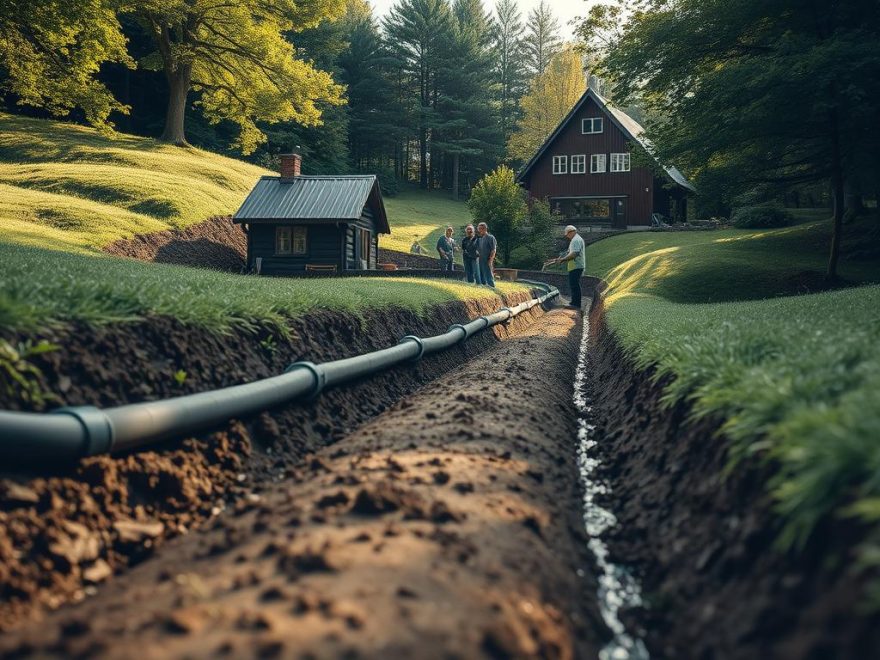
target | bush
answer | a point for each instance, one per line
(761, 217)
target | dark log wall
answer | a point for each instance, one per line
(324, 245)
(637, 185)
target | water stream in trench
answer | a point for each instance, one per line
(617, 588)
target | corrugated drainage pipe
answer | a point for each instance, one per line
(70, 433)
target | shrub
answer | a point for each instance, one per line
(498, 201)
(761, 217)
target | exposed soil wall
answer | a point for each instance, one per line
(63, 527)
(702, 541)
(215, 243)
(448, 527)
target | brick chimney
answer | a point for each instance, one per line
(290, 165)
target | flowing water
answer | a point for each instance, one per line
(617, 588)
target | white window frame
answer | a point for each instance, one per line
(579, 164)
(299, 240)
(560, 164)
(291, 240)
(593, 122)
(620, 162)
(598, 163)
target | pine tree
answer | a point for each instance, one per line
(466, 126)
(510, 75)
(418, 33)
(542, 41)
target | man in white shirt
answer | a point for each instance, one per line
(576, 262)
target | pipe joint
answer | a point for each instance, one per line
(419, 343)
(317, 373)
(459, 326)
(97, 428)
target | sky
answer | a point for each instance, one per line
(564, 10)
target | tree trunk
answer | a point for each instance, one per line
(178, 90)
(455, 171)
(838, 198)
(423, 157)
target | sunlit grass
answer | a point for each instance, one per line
(42, 287)
(423, 216)
(795, 379)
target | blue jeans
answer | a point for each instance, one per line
(486, 273)
(472, 270)
(447, 265)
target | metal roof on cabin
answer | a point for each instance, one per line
(627, 124)
(307, 198)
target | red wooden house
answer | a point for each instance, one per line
(586, 172)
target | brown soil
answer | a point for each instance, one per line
(702, 541)
(64, 528)
(447, 527)
(215, 243)
(407, 260)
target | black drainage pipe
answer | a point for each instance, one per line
(70, 433)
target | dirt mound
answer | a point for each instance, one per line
(702, 541)
(215, 243)
(447, 527)
(66, 527)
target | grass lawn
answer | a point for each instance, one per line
(40, 287)
(423, 216)
(796, 378)
(72, 188)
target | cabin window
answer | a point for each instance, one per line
(582, 209)
(579, 164)
(598, 163)
(620, 162)
(291, 240)
(560, 164)
(591, 126)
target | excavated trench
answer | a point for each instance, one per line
(65, 529)
(448, 526)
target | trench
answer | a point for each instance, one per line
(618, 589)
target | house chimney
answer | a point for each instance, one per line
(290, 165)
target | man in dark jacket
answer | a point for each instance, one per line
(470, 252)
(446, 250)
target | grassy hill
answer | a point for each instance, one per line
(70, 187)
(795, 377)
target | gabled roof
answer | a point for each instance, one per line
(314, 198)
(632, 129)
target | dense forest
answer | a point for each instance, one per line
(430, 93)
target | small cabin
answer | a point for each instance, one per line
(586, 171)
(296, 223)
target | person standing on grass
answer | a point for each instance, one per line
(446, 250)
(470, 252)
(487, 246)
(576, 262)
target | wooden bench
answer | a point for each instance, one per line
(321, 268)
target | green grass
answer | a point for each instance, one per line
(423, 216)
(795, 379)
(41, 287)
(72, 188)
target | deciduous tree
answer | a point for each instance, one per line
(498, 201)
(551, 96)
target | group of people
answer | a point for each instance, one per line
(477, 249)
(478, 256)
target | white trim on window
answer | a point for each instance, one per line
(282, 240)
(598, 163)
(299, 242)
(620, 163)
(560, 164)
(579, 164)
(592, 125)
